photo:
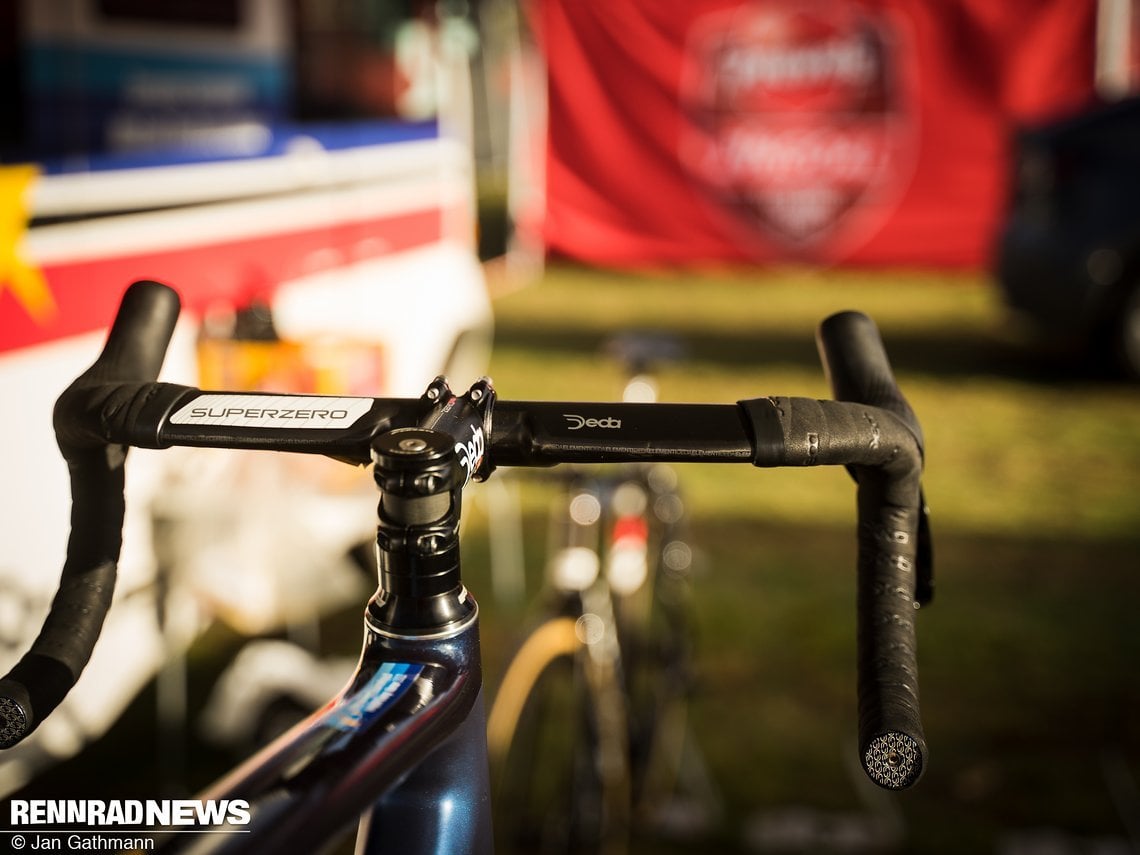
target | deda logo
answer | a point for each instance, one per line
(579, 422)
(471, 452)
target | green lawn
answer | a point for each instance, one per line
(1013, 451)
(1029, 654)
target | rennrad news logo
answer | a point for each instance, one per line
(149, 813)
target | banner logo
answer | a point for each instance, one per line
(801, 122)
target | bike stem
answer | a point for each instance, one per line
(421, 473)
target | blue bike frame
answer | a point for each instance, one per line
(410, 725)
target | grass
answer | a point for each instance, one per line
(1030, 685)
(1017, 451)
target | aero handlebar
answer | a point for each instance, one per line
(870, 429)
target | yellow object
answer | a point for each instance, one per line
(553, 639)
(320, 367)
(27, 282)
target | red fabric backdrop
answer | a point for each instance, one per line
(870, 132)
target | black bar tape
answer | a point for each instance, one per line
(857, 366)
(892, 745)
(807, 432)
(133, 353)
(120, 382)
(891, 530)
(130, 414)
(880, 446)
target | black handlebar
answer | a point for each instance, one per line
(130, 360)
(894, 563)
(870, 429)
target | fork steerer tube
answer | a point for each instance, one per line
(417, 540)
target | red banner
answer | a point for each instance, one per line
(871, 132)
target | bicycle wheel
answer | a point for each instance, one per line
(672, 792)
(558, 746)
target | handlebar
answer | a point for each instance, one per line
(109, 391)
(870, 429)
(895, 564)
